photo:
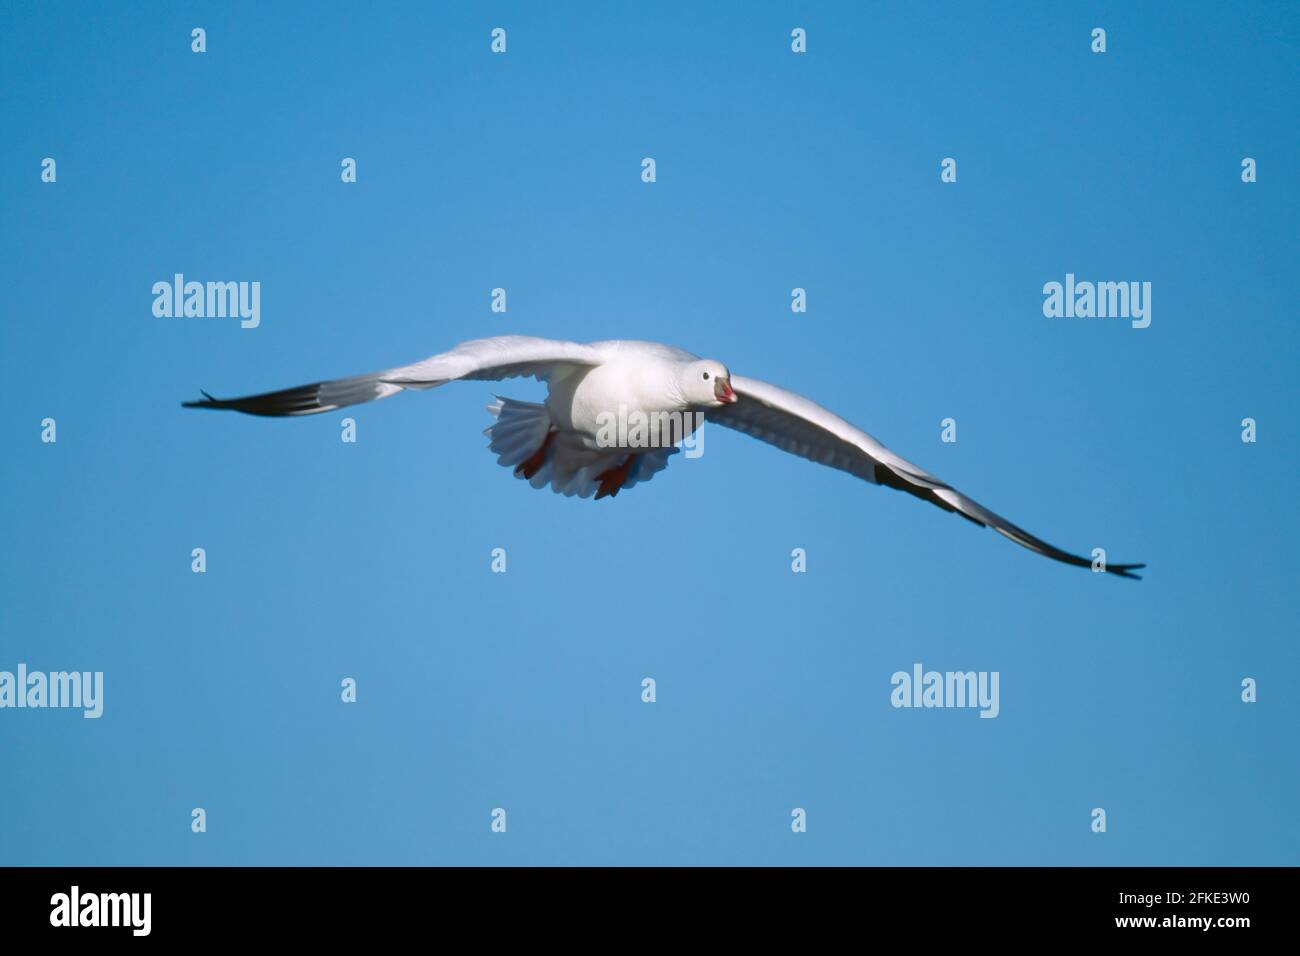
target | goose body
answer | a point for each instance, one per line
(567, 442)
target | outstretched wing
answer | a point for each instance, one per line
(505, 356)
(802, 427)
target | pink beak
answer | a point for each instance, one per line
(723, 391)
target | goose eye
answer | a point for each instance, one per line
(706, 376)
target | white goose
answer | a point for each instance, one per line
(564, 442)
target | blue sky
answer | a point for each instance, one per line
(522, 690)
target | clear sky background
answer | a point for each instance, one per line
(522, 690)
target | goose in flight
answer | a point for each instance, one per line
(569, 443)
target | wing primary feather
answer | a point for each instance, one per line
(493, 359)
(801, 427)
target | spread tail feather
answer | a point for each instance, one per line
(524, 438)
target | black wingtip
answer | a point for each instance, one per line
(1125, 570)
(207, 402)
